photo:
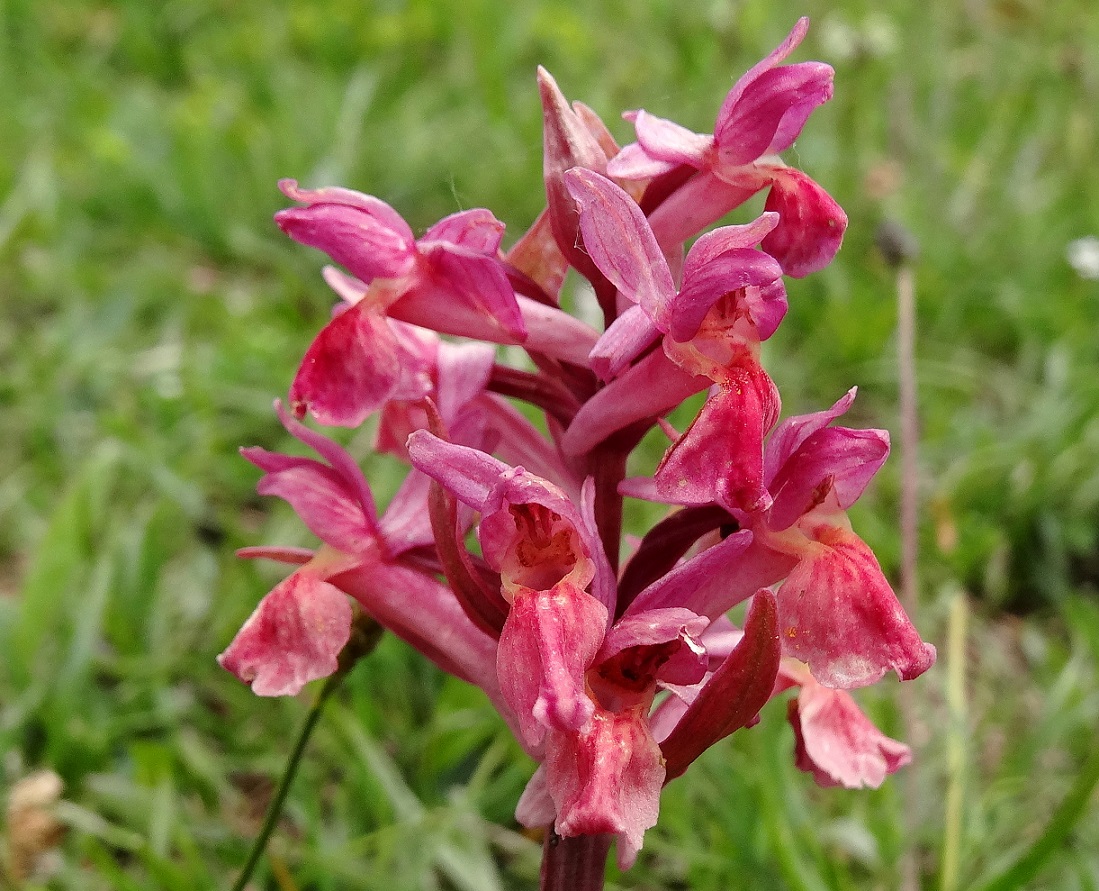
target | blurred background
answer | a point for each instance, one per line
(150, 312)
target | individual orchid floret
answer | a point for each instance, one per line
(762, 115)
(548, 555)
(297, 631)
(731, 296)
(836, 610)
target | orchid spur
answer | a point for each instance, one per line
(612, 660)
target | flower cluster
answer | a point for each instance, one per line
(615, 664)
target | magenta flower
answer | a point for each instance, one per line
(762, 116)
(612, 660)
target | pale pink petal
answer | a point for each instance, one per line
(716, 242)
(667, 141)
(838, 613)
(606, 778)
(627, 338)
(294, 636)
(619, 241)
(838, 744)
(349, 370)
(702, 583)
(548, 643)
(475, 229)
(634, 163)
(811, 225)
(468, 474)
(701, 201)
(535, 809)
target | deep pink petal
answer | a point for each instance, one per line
(323, 500)
(537, 255)
(619, 241)
(791, 433)
(351, 477)
(838, 613)
(294, 636)
(811, 225)
(838, 744)
(548, 643)
(352, 237)
(727, 115)
(374, 207)
(606, 778)
(475, 281)
(349, 370)
(731, 271)
(720, 456)
(835, 460)
(770, 113)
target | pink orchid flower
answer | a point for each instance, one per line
(762, 116)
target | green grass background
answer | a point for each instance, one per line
(150, 311)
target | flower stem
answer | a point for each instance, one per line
(574, 864)
(288, 774)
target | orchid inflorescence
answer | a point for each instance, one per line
(614, 678)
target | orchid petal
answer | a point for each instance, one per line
(667, 141)
(619, 241)
(838, 744)
(349, 370)
(838, 613)
(793, 432)
(731, 271)
(811, 225)
(548, 641)
(477, 229)
(834, 460)
(353, 237)
(294, 636)
(606, 778)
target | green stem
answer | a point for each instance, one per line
(275, 808)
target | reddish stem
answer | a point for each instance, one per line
(574, 864)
